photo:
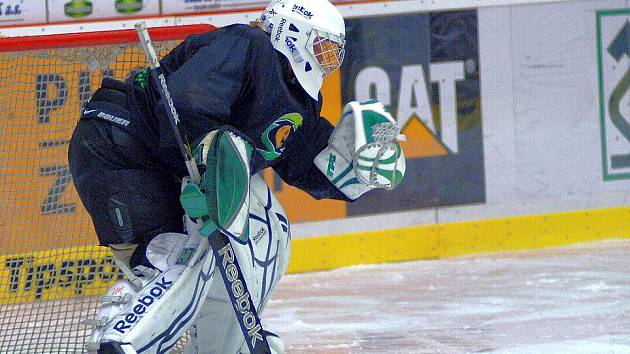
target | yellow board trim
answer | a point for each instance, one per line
(458, 239)
(89, 270)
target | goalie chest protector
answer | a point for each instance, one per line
(233, 76)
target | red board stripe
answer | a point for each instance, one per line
(86, 39)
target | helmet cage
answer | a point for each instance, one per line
(328, 49)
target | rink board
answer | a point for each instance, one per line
(57, 274)
(60, 274)
(458, 239)
(526, 140)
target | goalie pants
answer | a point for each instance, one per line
(128, 195)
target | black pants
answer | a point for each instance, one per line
(127, 193)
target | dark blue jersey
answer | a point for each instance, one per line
(233, 76)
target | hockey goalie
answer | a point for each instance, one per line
(247, 98)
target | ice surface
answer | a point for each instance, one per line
(573, 300)
(566, 300)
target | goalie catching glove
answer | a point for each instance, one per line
(363, 152)
(221, 199)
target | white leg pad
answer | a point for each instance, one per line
(263, 260)
(167, 305)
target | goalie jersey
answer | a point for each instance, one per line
(233, 76)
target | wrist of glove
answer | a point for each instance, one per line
(363, 151)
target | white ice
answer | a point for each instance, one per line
(573, 300)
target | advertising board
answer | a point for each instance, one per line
(613, 59)
(200, 6)
(80, 10)
(21, 12)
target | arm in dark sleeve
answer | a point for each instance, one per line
(205, 78)
(298, 169)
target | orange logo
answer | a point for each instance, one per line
(282, 134)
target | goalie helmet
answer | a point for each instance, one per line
(310, 34)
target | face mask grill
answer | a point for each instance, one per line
(329, 50)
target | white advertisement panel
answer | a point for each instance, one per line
(192, 6)
(21, 12)
(80, 10)
(554, 100)
(544, 132)
(613, 57)
(556, 85)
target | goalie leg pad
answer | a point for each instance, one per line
(263, 260)
(161, 311)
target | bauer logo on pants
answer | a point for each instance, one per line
(613, 55)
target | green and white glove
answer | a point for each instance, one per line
(363, 151)
(221, 199)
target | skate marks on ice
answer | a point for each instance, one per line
(562, 300)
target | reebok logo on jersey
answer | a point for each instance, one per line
(142, 305)
(243, 300)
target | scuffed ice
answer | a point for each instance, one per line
(565, 300)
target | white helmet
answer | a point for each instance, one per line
(311, 34)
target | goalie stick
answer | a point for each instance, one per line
(242, 303)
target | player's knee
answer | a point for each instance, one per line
(146, 207)
(129, 206)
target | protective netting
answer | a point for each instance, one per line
(51, 271)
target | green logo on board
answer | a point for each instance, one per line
(128, 6)
(78, 8)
